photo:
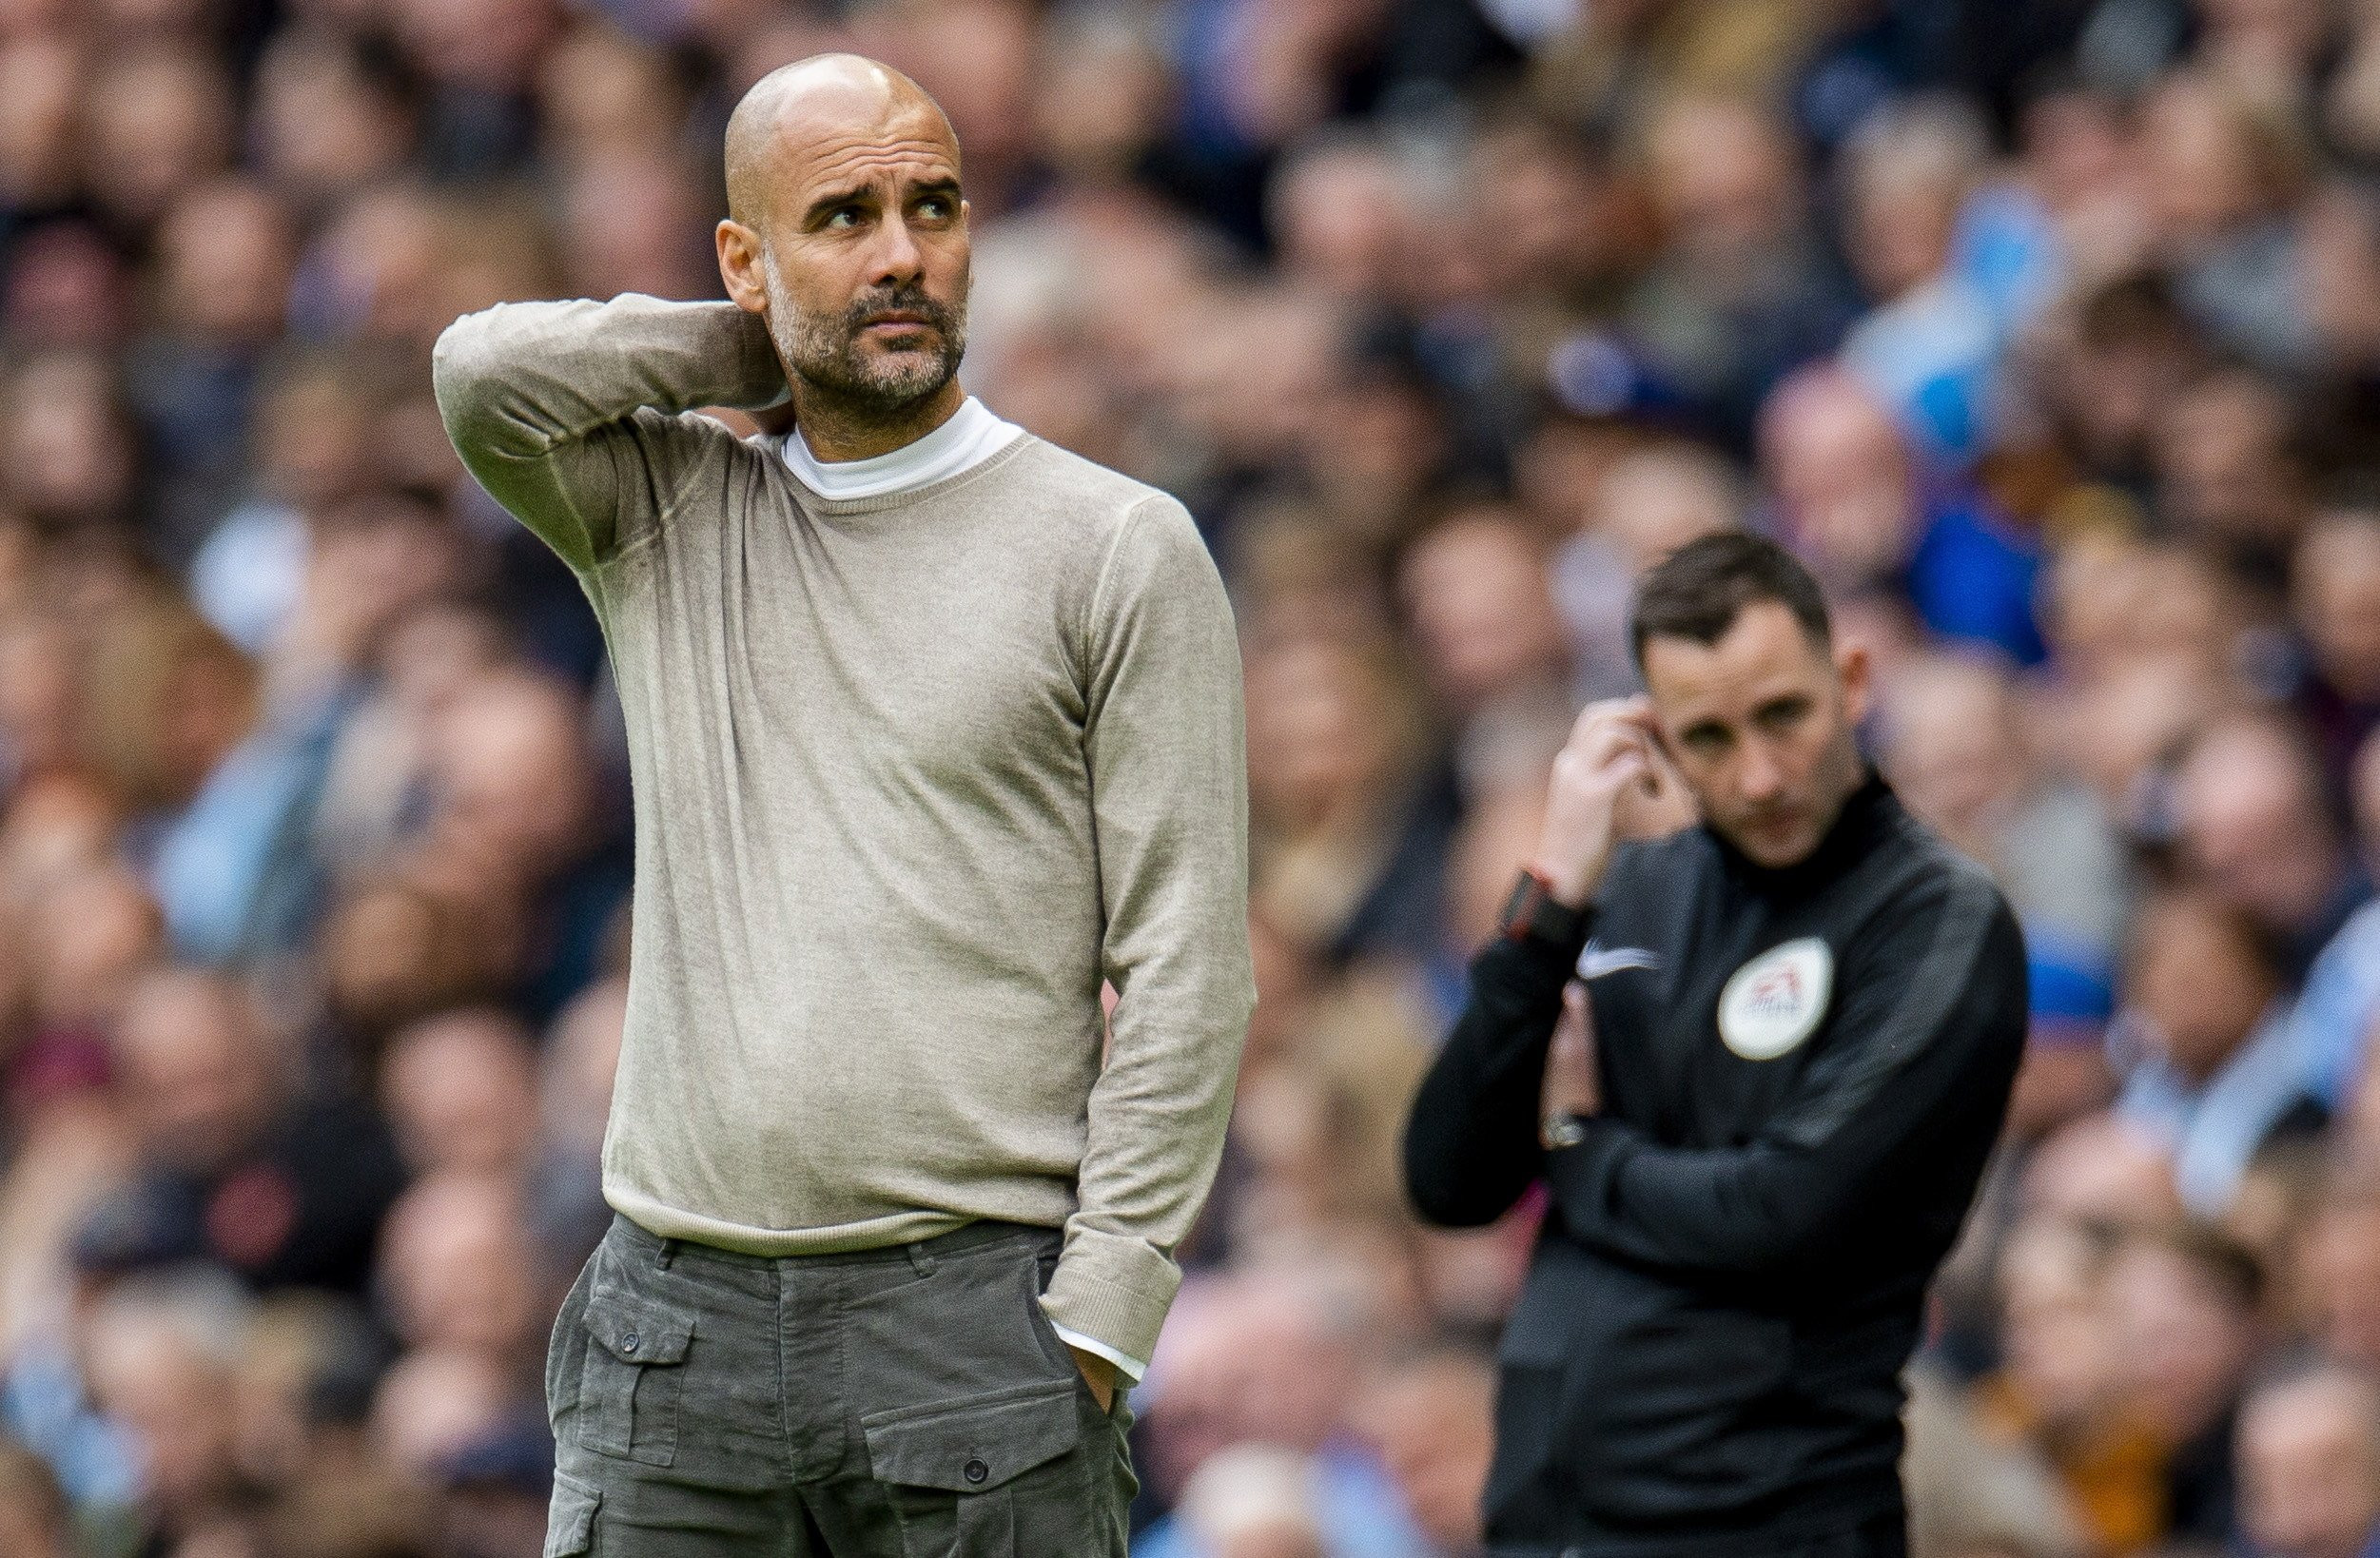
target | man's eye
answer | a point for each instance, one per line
(842, 216)
(934, 207)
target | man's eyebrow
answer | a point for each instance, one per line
(835, 199)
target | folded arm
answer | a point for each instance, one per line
(1912, 1087)
(569, 413)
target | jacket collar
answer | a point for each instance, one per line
(1870, 812)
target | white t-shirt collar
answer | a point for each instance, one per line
(972, 436)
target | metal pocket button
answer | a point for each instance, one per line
(975, 1471)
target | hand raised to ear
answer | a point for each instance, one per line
(1661, 804)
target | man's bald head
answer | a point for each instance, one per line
(849, 236)
(812, 104)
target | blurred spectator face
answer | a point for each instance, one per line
(1345, 219)
(40, 79)
(2225, 470)
(2197, 979)
(2337, 596)
(461, 1092)
(859, 265)
(2111, 369)
(2249, 808)
(1652, 501)
(1761, 726)
(64, 289)
(1724, 182)
(1543, 211)
(605, 95)
(33, 1513)
(369, 561)
(631, 224)
(325, 122)
(2060, 1350)
(486, 44)
(379, 267)
(38, 694)
(1434, 1422)
(1316, 740)
(2340, 1277)
(314, 433)
(2212, 158)
(1475, 586)
(2341, 275)
(581, 1062)
(453, 1258)
(161, 1356)
(94, 935)
(2184, 1317)
(514, 781)
(167, 697)
(1839, 469)
(1102, 99)
(1908, 170)
(1952, 747)
(1252, 1358)
(197, 1069)
(69, 459)
(158, 123)
(1254, 1501)
(394, 949)
(435, 1401)
(2310, 1467)
(2100, 1170)
(226, 249)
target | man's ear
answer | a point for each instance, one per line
(739, 267)
(1855, 670)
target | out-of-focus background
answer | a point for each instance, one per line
(2047, 330)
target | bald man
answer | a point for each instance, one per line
(934, 728)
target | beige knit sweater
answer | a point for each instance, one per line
(912, 775)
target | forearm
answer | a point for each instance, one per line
(1471, 1143)
(1154, 1136)
(1915, 1079)
(538, 398)
(1166, 746)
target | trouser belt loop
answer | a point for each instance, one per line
(668, 1253)
(921, 1260)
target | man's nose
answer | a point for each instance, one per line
(1761, 778)
(898, 258)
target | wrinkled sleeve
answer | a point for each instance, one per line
(1165, 744)
(571, 413)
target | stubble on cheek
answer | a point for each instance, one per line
(825, 349)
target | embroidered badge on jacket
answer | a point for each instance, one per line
(1774, 1001)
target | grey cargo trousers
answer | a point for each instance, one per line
(907, 1402)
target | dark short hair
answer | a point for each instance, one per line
(1698, 591)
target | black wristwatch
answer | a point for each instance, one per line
(1533, 912)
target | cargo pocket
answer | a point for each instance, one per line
(570, 1519)
(629, 1388)
(957, 1473)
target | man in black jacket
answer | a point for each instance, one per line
(1805, 1015)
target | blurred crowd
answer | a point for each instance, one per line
(2048, 331)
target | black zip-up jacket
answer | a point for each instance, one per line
(1706, 1357)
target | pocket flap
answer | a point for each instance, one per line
(969, 1445)
(569, 1523)
(637, 1330)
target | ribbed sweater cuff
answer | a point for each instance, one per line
(1116, 1290)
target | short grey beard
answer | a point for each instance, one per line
(823, 350)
